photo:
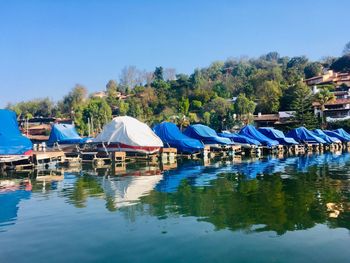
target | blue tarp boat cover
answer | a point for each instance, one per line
(337, 135)
(277, 135)
(327, 138)
(64, 134)
(237, 138)
(172, 136)
(12, 142)
(343, 133)
(251, 132)
(302, 134)
(206, 135)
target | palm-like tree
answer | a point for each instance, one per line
(323, 97)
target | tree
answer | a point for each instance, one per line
(313, 69)
(323, 97)
(158, 73)
(73, 99)
(206, 117)
(341, 64)
(130, 77)
(268, 96)
(112, 88)
(95, 111)
(184, 106)
(302, 105)
(169, 74)
(33, 108)
(346, 50)
(244, 106)
(220, 112)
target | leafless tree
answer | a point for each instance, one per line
(169, 74)
(130, 76)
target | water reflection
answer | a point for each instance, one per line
(12, 192)
(269, 194)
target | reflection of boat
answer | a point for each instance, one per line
(173, 178)
(127, 190)
(12, 191)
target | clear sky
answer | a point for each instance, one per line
(46, 47)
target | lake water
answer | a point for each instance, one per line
(294, 209)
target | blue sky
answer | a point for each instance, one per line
(46, 47)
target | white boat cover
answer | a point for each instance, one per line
(128, 131)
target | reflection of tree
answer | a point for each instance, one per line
(268, 204)
(84, 187)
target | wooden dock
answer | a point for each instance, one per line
(168, 155)
(103, 158)
(48, 159)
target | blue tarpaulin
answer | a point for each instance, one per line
(12, 142)
(206, 135)
(343, 133)
(172, 136)
(237, 138)
(327, 138)
(337, 135)
(251, 132)
(304, 135)
(64, 134)
(277, 135)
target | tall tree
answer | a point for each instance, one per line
(158, 73)
(302, 105)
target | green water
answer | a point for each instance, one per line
(295, 209)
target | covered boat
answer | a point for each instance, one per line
(277, 135)
(64, 134)
(242, 140)
(303, 135)
(251, 132)
(206, 135)
(337, 135)
(343, 133)
(130, 135)
(324, 136)
(12, 142)
(173, 137)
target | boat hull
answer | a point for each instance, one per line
(119, 147)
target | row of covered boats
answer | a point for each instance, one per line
(128, 134)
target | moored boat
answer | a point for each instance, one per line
(243, 141)
(206, 135)
(173, 137)
(128, 134)
(251, 132)
(303, 135)
(65, 137)
(277, 135)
